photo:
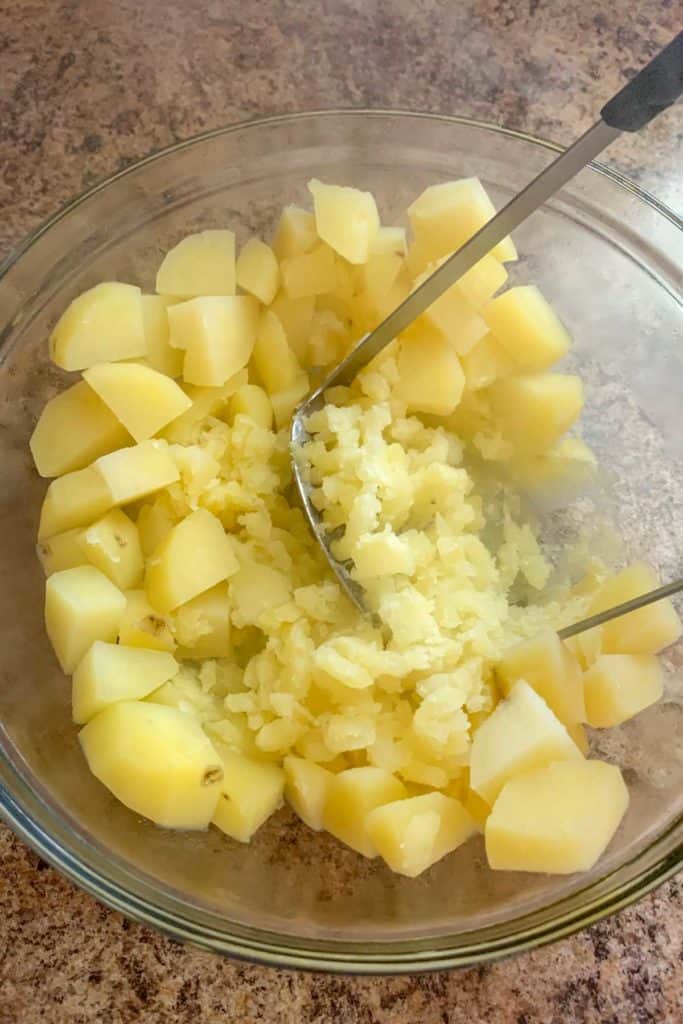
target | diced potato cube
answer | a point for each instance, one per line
(328, 340)
(453, 317)
(389, 240)
(527, 327)
(482, 281)
(81, 606)
(618, 686)
(155, 760)
(217, 334)
(431, 378)
(205, 402)
(586, 646)
(112, 545)
(477, 808)
(295, 315)
(580, 737)
(194, 556)
(311, 273)
(351, 796)
(345, 218)
(306, 786)
(111, 672)
(255, 589)
(379, 274)
(201, 264)
(382, 554)
(202, 625)
(558, 819)
(445, 216)
(102, 325)
(273, 359)
(142, 399)
(521, 734)
(155, 520)
(250, 792)
(75, 499)
(252, 401)
(73, 429)
(285, 402)
(551, 669)
(142, 626)
(411, 835)
(486, 362)
(646, 631)
(257, 270)
(133, 473)
(534, 410)
(61, 552)
(295, 232)
(161, 355)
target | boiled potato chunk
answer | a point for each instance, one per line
(351, 796)
(111, 672)
(580, 737)
(389, 240)
(557, 819)
(202, 625)
(430, 375)
(520, 735)
(534, 410)
(142, 399)
(102, 325)
(255, 589)
(646, 631)
(618, 686)
(205, 402)
(75, 499)
(295, 232)
(160, 355)
(551, 669)
(217, 334)
(136, 472)
(527, 327)
(482, 281)
(155, 760)
(345, 218)
(112, 545)
(453, 317)
(62, 551)
(295, 316)
(201, 264)
(250, 792)
(257, 270)
(328, 340)
(310, 273)
(286, 401)
(74, 429)
(486, 362)
(155, 520)
(81, 606)
(273, 359)
(143, 626)
(194, 556)
(306, 787)
(411, 835)
(252, 401)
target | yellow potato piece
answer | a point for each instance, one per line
(111, 672)
(430, 376)
(286, 401)
(250, 792)
(482, 281)
(273, 359)
(205, 402)
(411, 835)
(389, 240)
(534, 410)
(486, 362)
(81, 606)
(618, 686)
(143, 626)
(521, 734)
(551, 669)
(136, 472)
(73, 429)
(255, 589)
(580, 737)
(295, 316)
(112, 545)
(102, 325)
(194, 556)
(453, 317)
(257, 270)
(527, 327)
(345, 218)
(382, 554)
(295, 232)
(155, 760)
(62, 551)
(558, 819)
(201, 264)
(75, 499)
(252, 401)
(328, 340)
(217, 334)
(306, 787)
(154, 521)
(351, 796)
(142, 399)
(160, 355)
(202, 625)
(311, 273)
(646, 631)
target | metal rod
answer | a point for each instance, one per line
(621, 609)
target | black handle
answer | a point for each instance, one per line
(653, 89)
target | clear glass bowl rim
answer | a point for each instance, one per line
(269, 948)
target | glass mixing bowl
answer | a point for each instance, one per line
(605, 255)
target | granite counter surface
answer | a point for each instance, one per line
(87, 87)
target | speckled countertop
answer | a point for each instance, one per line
(88, 87)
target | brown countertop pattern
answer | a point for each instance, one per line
(87, 87)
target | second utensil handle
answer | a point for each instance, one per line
(653, 89)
